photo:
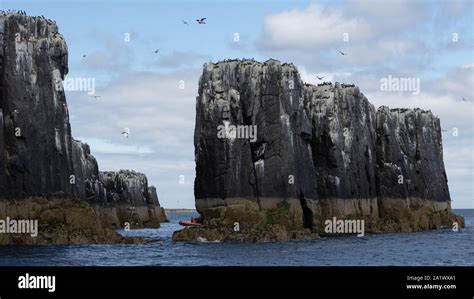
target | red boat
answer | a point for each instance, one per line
(193, 222)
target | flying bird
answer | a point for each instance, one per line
(320, 78)
(184, 22)
(342, 53)
(201, 20)
(126, 132)
(83, 56)
(156, 51)
(464, 99)
(95, 97)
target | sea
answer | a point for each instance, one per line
(443, 247)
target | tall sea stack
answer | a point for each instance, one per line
(38, 156)
(319, 152)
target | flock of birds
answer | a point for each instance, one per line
(200, 21)
(9, 11)
(320, 78)
(126, 131)
(23, 13)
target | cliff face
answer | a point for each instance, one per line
(344, 157)
(343, 143)
(409, 148)
(131, 198)
(37, 151)
(258, 169)
(87, 183)
(38, 156)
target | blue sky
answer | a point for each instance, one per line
(141, 90)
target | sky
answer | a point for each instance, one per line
(153, 94)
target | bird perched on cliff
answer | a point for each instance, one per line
(320, 78)
(342, 53)
(201, 21)
(126, 132)
(184, 22)
(15, 114)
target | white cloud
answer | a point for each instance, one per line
(160, 116)
(316, 26)
(157, 111)
(111, 54)
(376, 32)
(108, 147)
(181, 58)
(389, 14)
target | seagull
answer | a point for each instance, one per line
(156, 51)
(95, 97)
(201, 21)
(342, 53)
(126, 132)
(320, 78)
(184, 22)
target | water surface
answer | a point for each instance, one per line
(436, 248)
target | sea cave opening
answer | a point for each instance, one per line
(307, 213)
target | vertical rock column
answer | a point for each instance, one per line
(87, 182)
(343, 148)
(3, 175)
(37, 134)
(410, 155)
(412, 186)
(130, 199)
(272, 173)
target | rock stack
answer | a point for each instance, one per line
(131, 199)
(320, 152)
(38, 156)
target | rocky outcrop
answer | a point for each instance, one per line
(132, 200)
(412, 187)
(265, 171)
(158, 210)
(37, 151)
(38, 156)
(319, 152)
(87, 183)
(59, 221)
(409, 152)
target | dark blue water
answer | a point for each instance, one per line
(442, 247)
